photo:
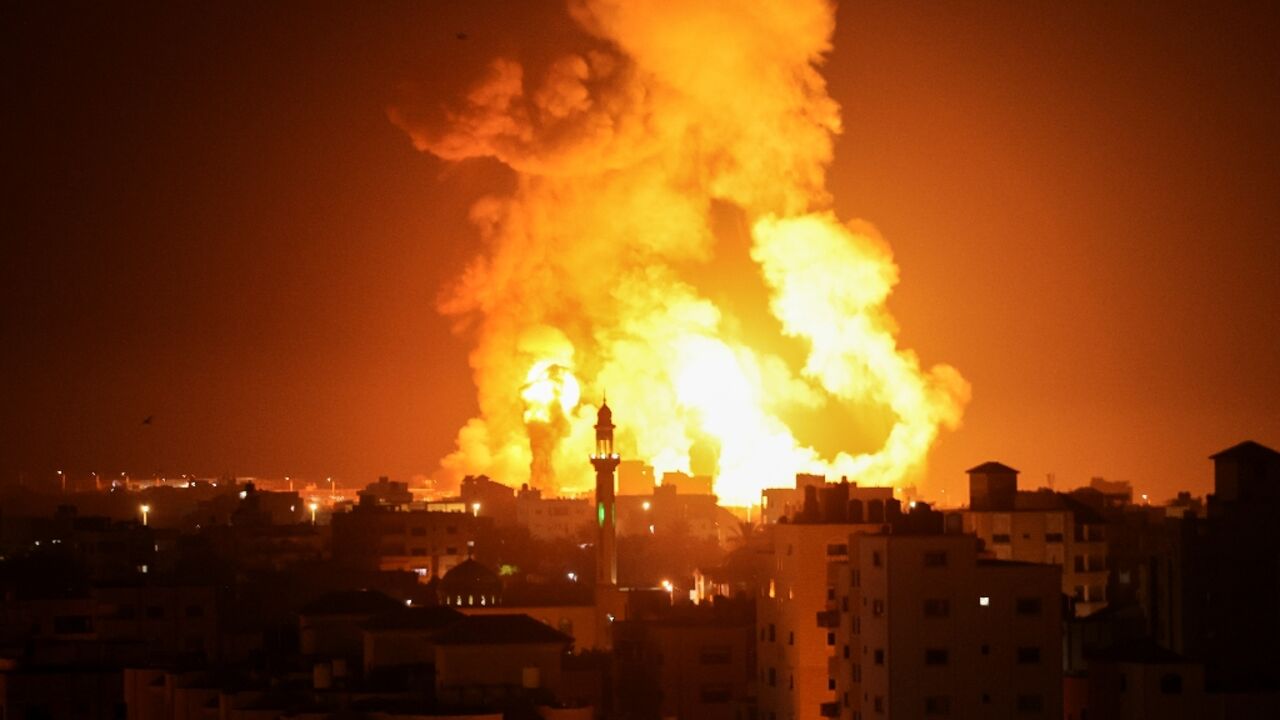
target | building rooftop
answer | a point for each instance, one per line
(991, 466)
(351, 602)
(1247, 449)
(501, 630)
(415, 618)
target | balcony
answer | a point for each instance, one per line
(829, 709)
(829, 619)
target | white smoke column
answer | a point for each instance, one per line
(619, 155)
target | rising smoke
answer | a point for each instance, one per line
(622, 155)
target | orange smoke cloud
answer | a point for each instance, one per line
(621, 155)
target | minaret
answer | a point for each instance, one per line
(605, 461)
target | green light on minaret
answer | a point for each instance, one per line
(600, 513)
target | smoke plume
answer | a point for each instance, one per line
(622, 157)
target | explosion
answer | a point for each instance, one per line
(686, 127)
(550, 395)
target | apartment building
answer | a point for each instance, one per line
(1040, 527)
(924, 627)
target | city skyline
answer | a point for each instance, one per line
(252, 260)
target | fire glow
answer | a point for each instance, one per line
(624, 156)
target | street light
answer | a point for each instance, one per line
(475, 509)
(646, 505)
(145, 510)
(314, 506)
(671, 590)
(62, 478)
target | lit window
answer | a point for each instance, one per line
(984, 601)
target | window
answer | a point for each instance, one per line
(937, 608)
(877, 607)
(1028, 655)
(452, 529)
(417, 531)
(855, 578)
(844, 604)
(772, 634)
(935, 558)
(714, 694)
(831, 594)
(935, 656)
(984, 600)
(791, 637)
(1028, 606)
(879, 656)
(875, 558)
(831, 683)
(451, 551)
(1000, 539)
(878, 704)
(937, 705)
(986, 649)
(715, 655)
(773, 678)
(1053, 537)
(857, 673)
(1030, 704)
(846, 651)
(857, 624)
(837, 549)
(1171, 684)
(1079, 563)
(418, 552)
(831, 639)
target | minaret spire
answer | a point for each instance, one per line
(605, 460)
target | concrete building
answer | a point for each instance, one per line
(670, 512)
(1142, 680)
(694, 662)
(425, 542)
(798, 583)
(635, 478)
(1040, 527)
(1237, 630)
(553, 518)
(486, 498)
(925, 627)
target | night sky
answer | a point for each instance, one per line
(209, 219)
